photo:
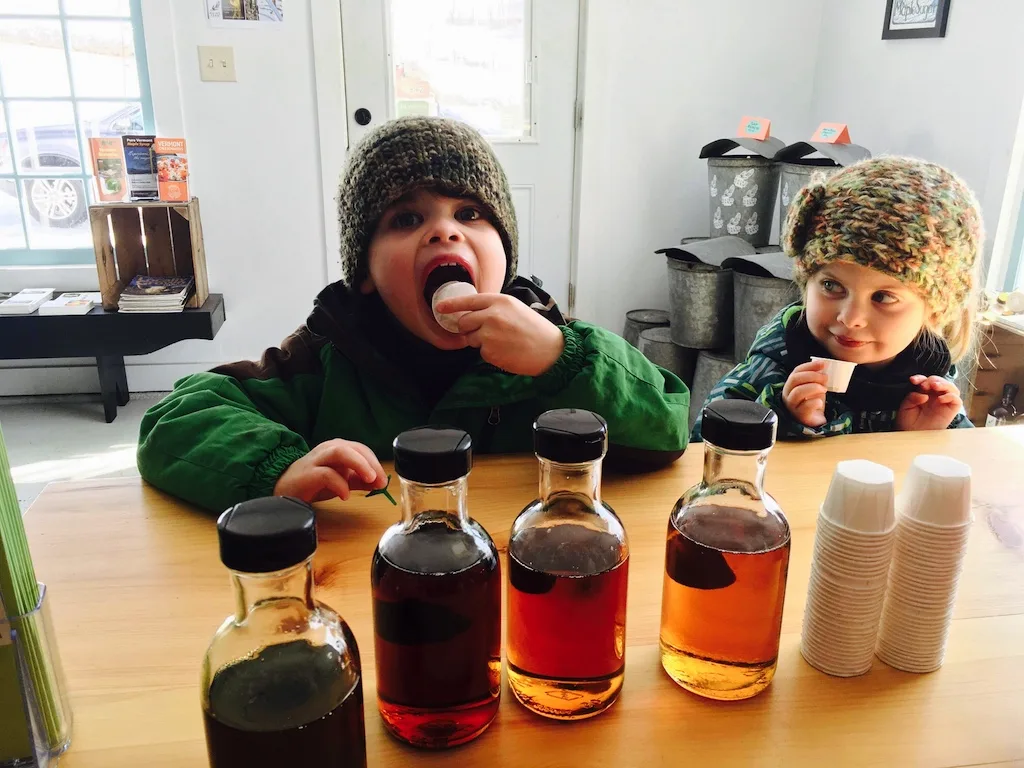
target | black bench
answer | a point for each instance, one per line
(107, 336)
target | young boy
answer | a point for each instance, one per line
(423, 201)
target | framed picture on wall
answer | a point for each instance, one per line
(915, 18)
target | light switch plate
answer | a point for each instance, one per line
(217, 63)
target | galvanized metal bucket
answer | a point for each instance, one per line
(743, 193)
(756, 300)
(638, 320)
(700, 304)
(796, 176)
(711, 368)
(657, 346)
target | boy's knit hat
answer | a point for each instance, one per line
(912, 219)
(413, 152)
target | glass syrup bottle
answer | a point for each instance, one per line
(281, 680)
(726, 562)
(568, 570)
(436, 582)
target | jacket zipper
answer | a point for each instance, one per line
(487, 433)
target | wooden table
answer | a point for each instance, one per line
(138, 591)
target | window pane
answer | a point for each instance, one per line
(11, 233)
(5, 145)
(44, 136)
(109, 118)
(29, 7)
(57, 213)
(96, 8)
(32, 59)
(464, 59)
(103, 59)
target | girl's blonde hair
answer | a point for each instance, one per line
(960, 333)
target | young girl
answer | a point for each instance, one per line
(885, 254)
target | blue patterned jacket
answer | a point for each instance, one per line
(870, 404)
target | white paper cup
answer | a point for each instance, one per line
(931, 555)
(838, 663)
(937, 491)
(839, 373)
(917, 605)
(898, 638)
(825, 619)
(451, 290)
(837, 642)
(838, 530)
(931, 533)
(918, 663)
(860, 497)
(864, 546)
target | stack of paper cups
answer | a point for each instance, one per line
(853, 547)
(931, 541)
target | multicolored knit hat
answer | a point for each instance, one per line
(413, 152)
(908, 218)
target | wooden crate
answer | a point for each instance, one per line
(155, 239)
(1000, 361)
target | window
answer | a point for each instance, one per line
(465, 59)
(70, 70)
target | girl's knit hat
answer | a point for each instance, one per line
(404, 154)
(908, 218)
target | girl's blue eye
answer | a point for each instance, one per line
(469, 214)
(406, 220)
(882, 297)
(830, 286)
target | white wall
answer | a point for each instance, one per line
(254, 148)
(953, 100)
(663, 78)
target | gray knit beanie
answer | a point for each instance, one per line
(413, 152)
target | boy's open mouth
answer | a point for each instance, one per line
(446, 272)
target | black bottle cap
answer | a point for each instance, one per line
(433, 455)
(739, 425)
(570, 436)
(266, 535)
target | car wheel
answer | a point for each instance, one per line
(57, 202)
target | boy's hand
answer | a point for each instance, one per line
(333, 468)
(509, 334)
(804, 393)
(933, 406)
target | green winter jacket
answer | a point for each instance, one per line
(225, 436)
(869, 405)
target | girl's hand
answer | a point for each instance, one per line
(509, 334)
(333, 468)
(934, 404)
(804, 393)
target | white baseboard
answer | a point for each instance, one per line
(78, 377)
